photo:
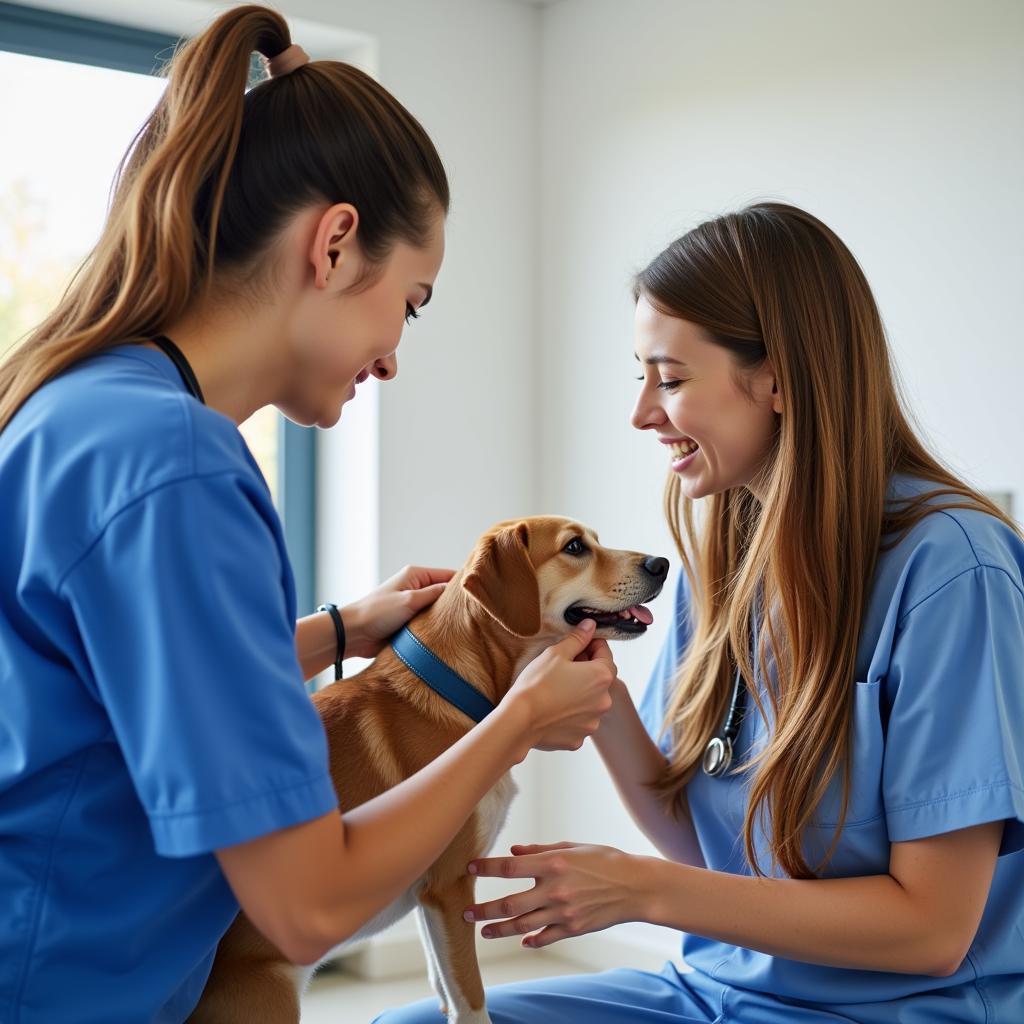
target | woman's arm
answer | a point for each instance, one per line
(316, 641)
(920, 918)
(370, 621)
(310, 887)
(633, 761)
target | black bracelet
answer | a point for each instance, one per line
(339, 629)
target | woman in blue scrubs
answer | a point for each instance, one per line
(835, 722)
(160, 761)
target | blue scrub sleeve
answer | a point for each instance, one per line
(656, 697)
(954, 749)
(185, 611)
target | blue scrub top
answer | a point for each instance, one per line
(152, 708)
(938, 745)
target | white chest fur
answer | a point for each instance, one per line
(493, 810)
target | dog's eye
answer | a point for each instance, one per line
(575, 547)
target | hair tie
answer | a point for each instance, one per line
(287, 61)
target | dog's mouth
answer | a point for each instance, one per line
(633, 620)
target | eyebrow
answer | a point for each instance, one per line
(656, 360)
(430, 293)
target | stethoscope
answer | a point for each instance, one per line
(177, 357)
(719, 751)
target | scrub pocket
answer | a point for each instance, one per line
(864, 848)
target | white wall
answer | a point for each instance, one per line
(900, 124)
(580, 139)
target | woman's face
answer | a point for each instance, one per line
(340, 335)
(715, 421)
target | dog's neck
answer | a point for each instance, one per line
(471, 642)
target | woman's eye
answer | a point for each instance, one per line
(575, 547)
(665, 385)
(410, 313)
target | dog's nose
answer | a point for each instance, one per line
(657, 567)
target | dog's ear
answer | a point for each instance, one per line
(502, 579)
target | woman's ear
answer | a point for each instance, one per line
(501, 578)
(334, 243)
(767, 384)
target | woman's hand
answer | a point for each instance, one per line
(579, 889)
(564, 691)
(373, 620)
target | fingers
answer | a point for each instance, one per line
(597, 650)
(423, 596)
(431, 576)
(507, 907)
(413, 577)
(547, 936)
(505, 867)
(575, 643)
(518, 926)
(421, 576)
(518, 849)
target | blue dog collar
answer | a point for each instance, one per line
(439, 677)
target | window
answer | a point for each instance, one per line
(75, 93)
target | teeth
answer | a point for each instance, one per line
(622, 614)
(680, 451)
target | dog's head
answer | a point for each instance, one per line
(539, 576)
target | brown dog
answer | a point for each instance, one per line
(525, 583)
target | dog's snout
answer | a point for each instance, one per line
(656, 567)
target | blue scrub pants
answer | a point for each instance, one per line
(627, 996)
(622, 996)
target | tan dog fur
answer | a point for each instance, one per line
(506, 605)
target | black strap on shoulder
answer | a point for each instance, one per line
(177, 357)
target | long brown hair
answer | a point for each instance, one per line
(214, 174)
(772, 282)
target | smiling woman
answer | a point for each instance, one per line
(861, 858)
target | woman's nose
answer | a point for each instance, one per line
(647, 414)
(386, 368)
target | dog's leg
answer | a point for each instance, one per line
(433, 970)
(454, 949)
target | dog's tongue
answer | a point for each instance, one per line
(638, 611)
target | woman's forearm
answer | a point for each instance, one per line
(333, 874)
(866, 923)
(633, 761)
(316, 642)
(380, 860)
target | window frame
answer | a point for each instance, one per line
(79, 40)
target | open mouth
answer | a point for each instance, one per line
(634, 620)
(682, 450)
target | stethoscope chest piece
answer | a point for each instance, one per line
(718, 752)
(717, 756)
